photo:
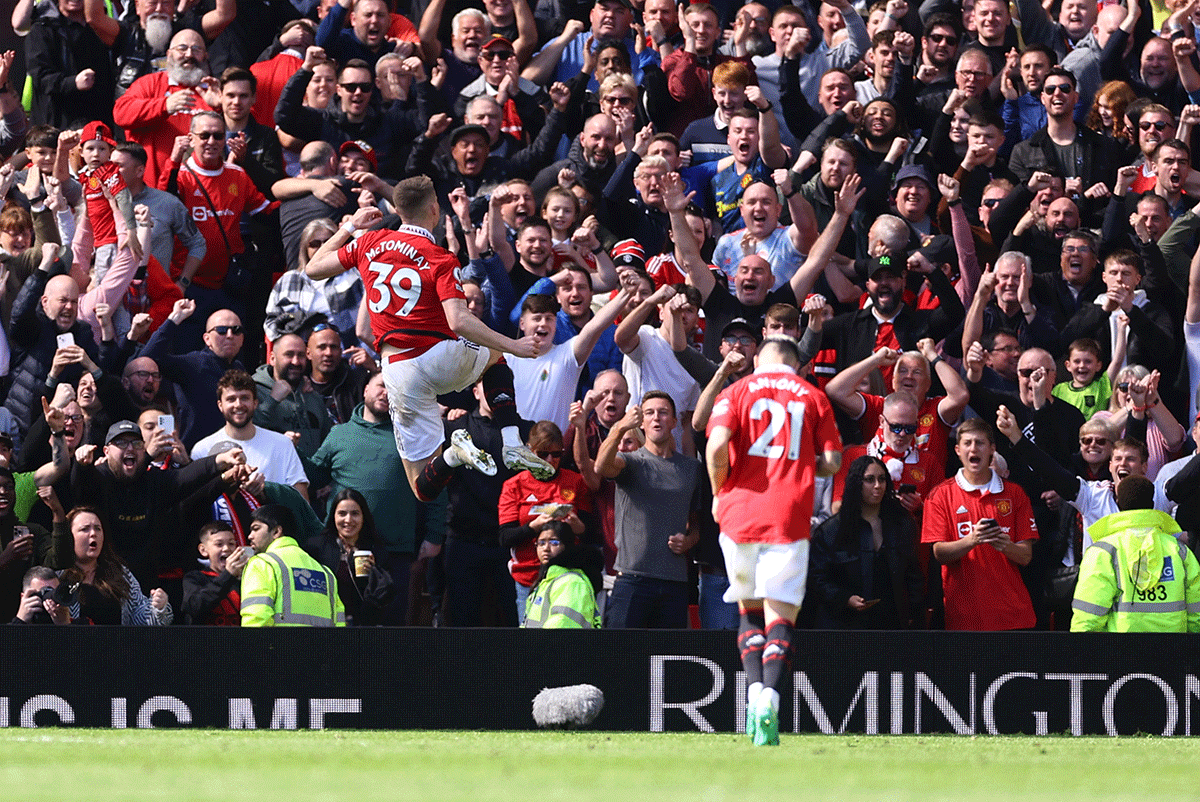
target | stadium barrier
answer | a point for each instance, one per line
(855, 682)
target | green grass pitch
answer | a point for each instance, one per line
(224, 766)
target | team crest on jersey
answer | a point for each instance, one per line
(917, 475)
(233, 190)
(1168, 574)
(1004, 506)
(568, 494)
(93, 182)
(926, 420)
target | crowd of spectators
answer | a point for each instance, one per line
(968, 216)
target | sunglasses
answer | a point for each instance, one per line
(365, 86)
(745, 339)
(493, 55)
(325, 327)
(1093, 441)
(1050, 89)
(316, 243)
(1123, 387)
(1157, 125)
(556, 454)
(902, 429)
(943, 39)
(224, 330)
(991, 203)
(209, 134)
(1025, 373)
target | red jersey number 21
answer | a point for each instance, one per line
(790, 418)
(390, 280)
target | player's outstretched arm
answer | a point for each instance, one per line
(325, 262)
(469, 327)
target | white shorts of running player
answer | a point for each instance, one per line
(777, 571)
(413, 386)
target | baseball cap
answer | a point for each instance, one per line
(742, 323)
(940, 249)
(464, 130)
(497, 42)
(627, 3)
(363, 148)
(97, 130)
(914, 171)
(629, 253)
(891, 264)
(122, 427)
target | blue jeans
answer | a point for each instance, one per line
(715, 612)
(643, 602)
(522, 596)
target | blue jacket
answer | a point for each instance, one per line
(197, 374)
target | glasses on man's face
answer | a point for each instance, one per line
(74, 418)
(744, 339)
(1072, 249)
(351, 88)
(978, 75)
(145, 375)
(218, 135)
(197, 49)
(943, 39)
(1088, 440)
(1025, 373)
(1007, 349)
(902, 429)
(1051, 89)
(494, 55)
(1157, 125)
(553, 454)
(125, 445)
(224, 331)
(617, 100)
(991, 203)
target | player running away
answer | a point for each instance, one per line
(769, 435)
(427, 339)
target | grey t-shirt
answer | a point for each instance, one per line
(655, 498)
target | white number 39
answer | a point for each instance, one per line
(391, 280)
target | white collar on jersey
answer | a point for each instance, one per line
(195, 167)
(996, 485)
(405, 228)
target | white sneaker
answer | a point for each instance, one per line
(520, 458)
(470, 455)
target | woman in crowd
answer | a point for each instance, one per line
(295, 297)
(564, 595)
(863, 570)
(350, 528)
(527, 504)
(1164, 434)
(103, 589)
(1107, 115)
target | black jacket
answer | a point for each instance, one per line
(56, 50)
(1098, 162)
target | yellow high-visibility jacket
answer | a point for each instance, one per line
(284, 587)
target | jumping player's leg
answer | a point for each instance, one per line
(500, 394)
(751, 641)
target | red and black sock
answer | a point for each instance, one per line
(498, 391)
(751, 641)
(437, 474)
(775, 653)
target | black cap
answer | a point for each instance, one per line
(122, 427)
(464, 130)
(742, 323)
(891, 264)
(940, 250)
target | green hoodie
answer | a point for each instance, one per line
(362, 455)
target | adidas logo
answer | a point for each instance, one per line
(502, 398)
(961, 510)
(197, 193)
(532, 497)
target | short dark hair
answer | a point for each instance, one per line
(533, 221)
(41, 572)
(1175, 144)
(237, 379)
(232, 74)
(1134, 443)
(988, 339)
(1135, 493)
(1038, 47)
(653, 394)
(943, 20)
(1126, 257)
(276, 516)
(1059, 72)
(135, 151)
(355, 64)
(983, 118)
(1087, 345)
(42, 136)
(413, 194)
(540, 304)
(211, 528)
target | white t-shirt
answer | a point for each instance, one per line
(653, 366)
(1096, 499)
(270, 452)
(545, 386)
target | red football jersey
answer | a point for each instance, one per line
(518, 498)
(232, 193)
(926, 473)
(407, 276)
(932, 431)
(984, 590)
(779, 423)
(104, 227)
